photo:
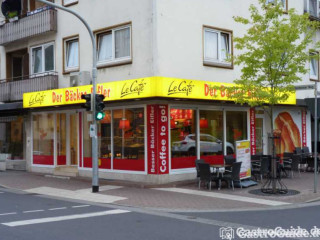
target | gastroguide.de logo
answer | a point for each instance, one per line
(229, 233)
(226, 233)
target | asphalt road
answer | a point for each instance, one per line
(34, 217)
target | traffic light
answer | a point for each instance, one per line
(99, 107)
(86, 105)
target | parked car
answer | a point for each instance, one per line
(208, 144)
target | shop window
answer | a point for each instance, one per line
(69, 2)
(183, 138)
(211, 136)
(43, 137)
(128, 129)
(71, 54)
(314, 66)
(236, 128)
(61, 139)
(114, 46)
(217, 47)
(104, 138)
(42, 58)
(11, 138)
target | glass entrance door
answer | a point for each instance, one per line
(259, 135)
(67, 139)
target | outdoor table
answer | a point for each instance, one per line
(218, 168)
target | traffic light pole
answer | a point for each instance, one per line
(95, 172)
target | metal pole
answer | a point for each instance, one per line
(95, 172)
(315, 136)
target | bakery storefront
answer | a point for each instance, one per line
(153, 130)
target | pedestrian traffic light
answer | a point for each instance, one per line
(99, 107)
(86, 105)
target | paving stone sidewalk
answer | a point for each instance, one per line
(174, 197)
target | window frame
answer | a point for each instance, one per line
(217, 63)
(314, 77)
(285, 7)
(113, 61)
(70, 3)
(66, 69)
(42, 46)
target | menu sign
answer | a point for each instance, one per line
(158, 139)
(244, 156)
(253, 130)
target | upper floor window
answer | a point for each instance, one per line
(114, 46)
(69, 2)
(314, 66)
(71, 54)
(283, 3)
(42, 58)
(217, 47)
(312, 7)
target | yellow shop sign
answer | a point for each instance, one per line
(133, 89)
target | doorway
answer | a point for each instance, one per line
(67, 139)
(259, 134)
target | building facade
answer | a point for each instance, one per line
(158, 65)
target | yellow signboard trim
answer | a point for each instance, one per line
(135, 89)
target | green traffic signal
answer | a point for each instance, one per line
(100, 115)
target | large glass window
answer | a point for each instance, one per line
(104, 130)
(211, 136)
(314, 66)
(183, 138)
(43, 137)
(128, 129)
(236, 128)
(87, 146)
(11, 137)
(61, 139)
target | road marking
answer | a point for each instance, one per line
(80, 195)
(80, 206)
(224, 196)
(33, 211)
(10, 213)
(60, 208)
(1, 192)
(63, 218)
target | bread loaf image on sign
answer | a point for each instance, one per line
(290, 134)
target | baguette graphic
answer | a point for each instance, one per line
(290, 134)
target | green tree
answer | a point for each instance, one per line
(273, 54)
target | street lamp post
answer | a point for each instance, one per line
(95, 172)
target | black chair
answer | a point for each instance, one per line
(229, 160)
(234, 175)
(295, 164)
(205, 174)
(298, 150)
(263, 169)
(197, 167)
(306, 152)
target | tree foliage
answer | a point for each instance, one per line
(272, 54)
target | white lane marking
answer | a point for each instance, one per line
(59, 208)
(63, 218)
(224, 196)
(1, 192)
(32, 211)
(86, 196)
(80, 206)
(10, 213)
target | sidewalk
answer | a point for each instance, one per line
(183, 197)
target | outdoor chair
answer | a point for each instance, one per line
(229, 160)
(263, 169)
(306, 152)
(295, 164)
(234, 175)
(298, 150)
(205, 174)
(197, 167)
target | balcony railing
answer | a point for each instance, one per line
(14, 90)
(312, 7)
(33, 24)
